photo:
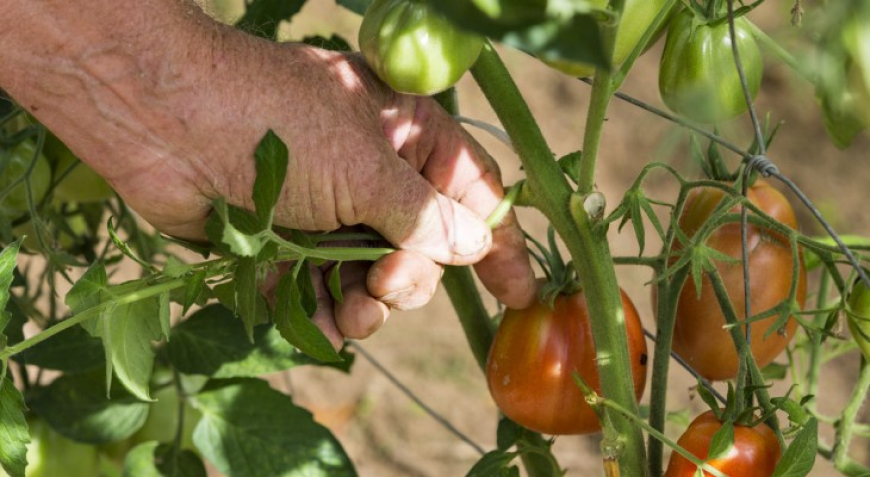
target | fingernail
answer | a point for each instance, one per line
(471, 236)
(397, 296)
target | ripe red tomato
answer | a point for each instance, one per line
(754, 454)
(699, 337)
(534, 353)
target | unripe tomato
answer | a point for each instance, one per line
(414, 49)
(50, 454)
(162, 420)
(14, 164)
(697, 75)
(754, 454)
(858, 316)
(82, 184)
(699, 336)
(637, 16)
(536, 350)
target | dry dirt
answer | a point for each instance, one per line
(386, 434)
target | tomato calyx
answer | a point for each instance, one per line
(561, 276)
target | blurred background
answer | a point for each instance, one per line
(387, 434)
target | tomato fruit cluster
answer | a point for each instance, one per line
(534, 354)
(14, 163)
(698, 77)
(414, 49)
(699, 336)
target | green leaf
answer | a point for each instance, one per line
(271, 161)
(14, 330)
(76, 406)
(247, 295)
(492, 18)
(249, 429)
(127, 330)
(212, 342)
(71, 351)
(709, 399)
(308, 296)
(335, 283)
(124, 248)
(508, 433)
(8, 262)
(133, 327)
(357, 6)
(152, 459)
(87, 291)
(14, 435)
(193, 290)
(573, 36)
(263, 16)
(570, 165)
(296, 327)
(175, 268)
(722, 441)
(493, 464)
(800, 456)
(233, 230)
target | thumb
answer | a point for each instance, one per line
(412, 215)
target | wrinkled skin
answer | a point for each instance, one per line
(169, 106)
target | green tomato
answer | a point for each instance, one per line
(637, 17)
(61, 238)
(162, 420)
(13, 165)
(50, 454)
(698, 77)
(858, 316)
(82, 184)
(414, 49)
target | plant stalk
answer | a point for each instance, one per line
(550, 192)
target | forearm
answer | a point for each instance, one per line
(105, 69)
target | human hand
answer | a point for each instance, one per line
(172, 120)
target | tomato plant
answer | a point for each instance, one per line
(697, 75)
(414, 49)
(14, 163)
(534, 355)
(108, 303)
(754, 453)
(699, 333)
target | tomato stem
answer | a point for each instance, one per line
(666, 316)
(849, 415)
(761, 391)
(551, 193)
